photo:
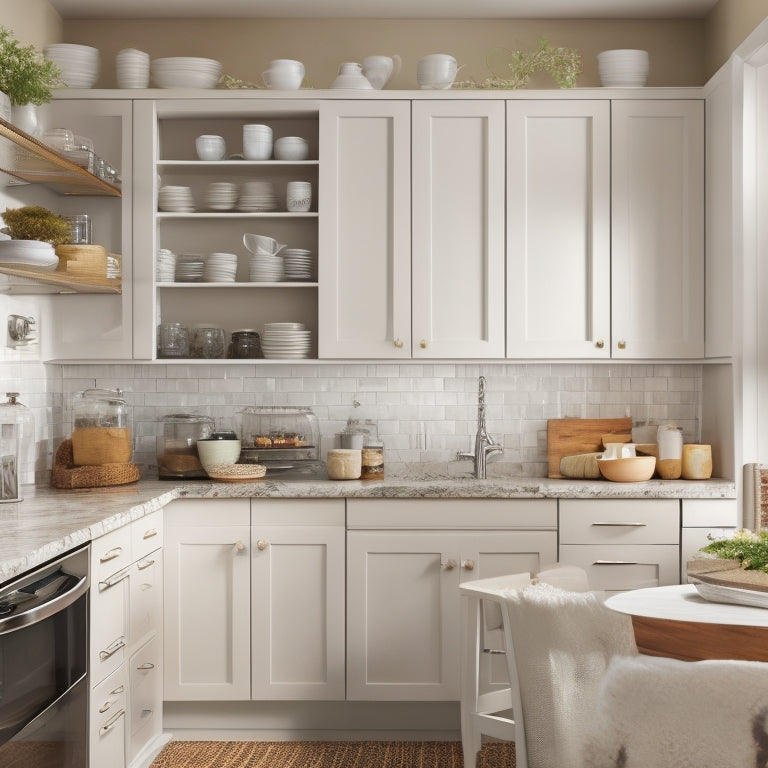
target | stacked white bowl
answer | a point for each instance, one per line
(165, 266)
(257, 195)
(220, 268)
(221, 195)
(132, 67)
(264, 268)
(257, 142)
(297, 264)
(175, 199)
(286, 340)
(623, 68)
(185, 72)
(79, 64)
(291, 148)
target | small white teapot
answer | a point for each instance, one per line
(381, 69)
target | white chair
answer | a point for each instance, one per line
(581, 696)
(488, 707)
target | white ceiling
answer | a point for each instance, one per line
(384, 9)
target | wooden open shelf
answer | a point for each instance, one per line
(66, 283)
(28, 159)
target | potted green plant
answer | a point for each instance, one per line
(33, 222)
(26, 76)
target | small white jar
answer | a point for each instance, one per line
(344, 464)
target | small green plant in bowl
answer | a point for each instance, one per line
(33, 222)
(26, 77)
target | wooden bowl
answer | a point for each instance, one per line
(632, 469)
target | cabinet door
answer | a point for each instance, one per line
(298, 612)
(403, 642)
(558, 229)
(146, 598)
(364, 293)
(108, 708)
(207, 613)
(146, 698)
(458, 229)
(657, 229)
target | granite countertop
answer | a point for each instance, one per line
(49, 522)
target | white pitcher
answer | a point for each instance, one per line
(381, 69)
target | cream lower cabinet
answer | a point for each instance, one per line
(405, 561)
(704, 520)
(622, 543)
(207, 600)
(411, 229)
(297, 599)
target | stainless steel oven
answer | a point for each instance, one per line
(44, 666)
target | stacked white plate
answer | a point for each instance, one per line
(189, 268)
(298, 263)
(165, 266)
(185, 72)
(221, 196)
(28, 254)
(79, 64)
(257, 195)
(132, 68)
(623, 68)
(220, 268)
(175, 199)
(286, 340)
(263, 268)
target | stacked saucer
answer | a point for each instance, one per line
(165, 268)
(221, 196)
(263, 268)
(286, 340)
(298, 264)
(28, 254)
(257, 195)
(79, 64)
(175, 200)
(220, 268)
(190, 268)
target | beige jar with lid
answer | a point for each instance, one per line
(343, 464)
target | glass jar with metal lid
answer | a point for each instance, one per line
(177, 445)
(101, 432)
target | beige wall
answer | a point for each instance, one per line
(727, 26)
(34, 22)
(245, 46)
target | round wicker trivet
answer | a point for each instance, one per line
(66, 475)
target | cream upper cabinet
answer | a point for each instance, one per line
(558, 229)
(458, 229)
(657, 257)
(364, 274)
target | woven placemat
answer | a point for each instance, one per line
(329, 754)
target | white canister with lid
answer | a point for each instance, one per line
(670, 440)
(343, 464)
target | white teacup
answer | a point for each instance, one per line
(284, 75)
(210, 147)
(619, 451)
(379, 70)
(298, 196)
(436, 71)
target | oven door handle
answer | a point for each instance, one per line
(45, 610)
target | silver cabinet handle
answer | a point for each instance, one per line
(145, 666)
(107, 705)
(615, 562)
(626, 525)
(150, 533)
(110, 724)
(111, 555)
(112, 580)
(112, 649)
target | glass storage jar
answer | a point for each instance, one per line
(177, 445)
(17, 442)
(101, 432)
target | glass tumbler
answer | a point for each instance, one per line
(172, 340)
(207, 342)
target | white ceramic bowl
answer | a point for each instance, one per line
(213, 452)
(185, 72)
(291, 148)
(79, 64)
(210, 147)
(623, 68)
(436, 71)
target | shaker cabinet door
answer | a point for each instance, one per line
(364, 294)
(657, 257)
(558, 229)
(458, 229)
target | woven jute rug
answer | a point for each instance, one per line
(329, 754)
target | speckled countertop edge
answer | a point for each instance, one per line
(50, 522)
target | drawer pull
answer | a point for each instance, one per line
(449, 565)
(112, 649)
(144, 564)
(146, 712)
(110, 724)
(149, 534)
(119, 689)
(112, 580)
(112, 554)
(107, 705)
(468, 565)
(145, 666)
(615, 562)
(626, 525)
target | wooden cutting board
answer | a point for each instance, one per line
(567, 437)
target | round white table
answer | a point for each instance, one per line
(676, 621)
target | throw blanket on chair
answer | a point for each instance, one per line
(663, 713)
(563, 643)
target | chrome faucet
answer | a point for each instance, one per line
(485, 445)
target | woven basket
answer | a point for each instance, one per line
(66, 475)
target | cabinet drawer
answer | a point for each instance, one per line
(109, 624)
(207, 512)
(146, 597)
(107, 720)
(110, 553)
(146, 695)
(703, 513)
(620, 521)
(146, 535)
(627, 566)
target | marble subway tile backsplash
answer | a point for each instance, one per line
(426, 412)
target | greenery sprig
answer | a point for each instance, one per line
(26, 77)
(564, 65)
(33, 222)
(749, 548)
